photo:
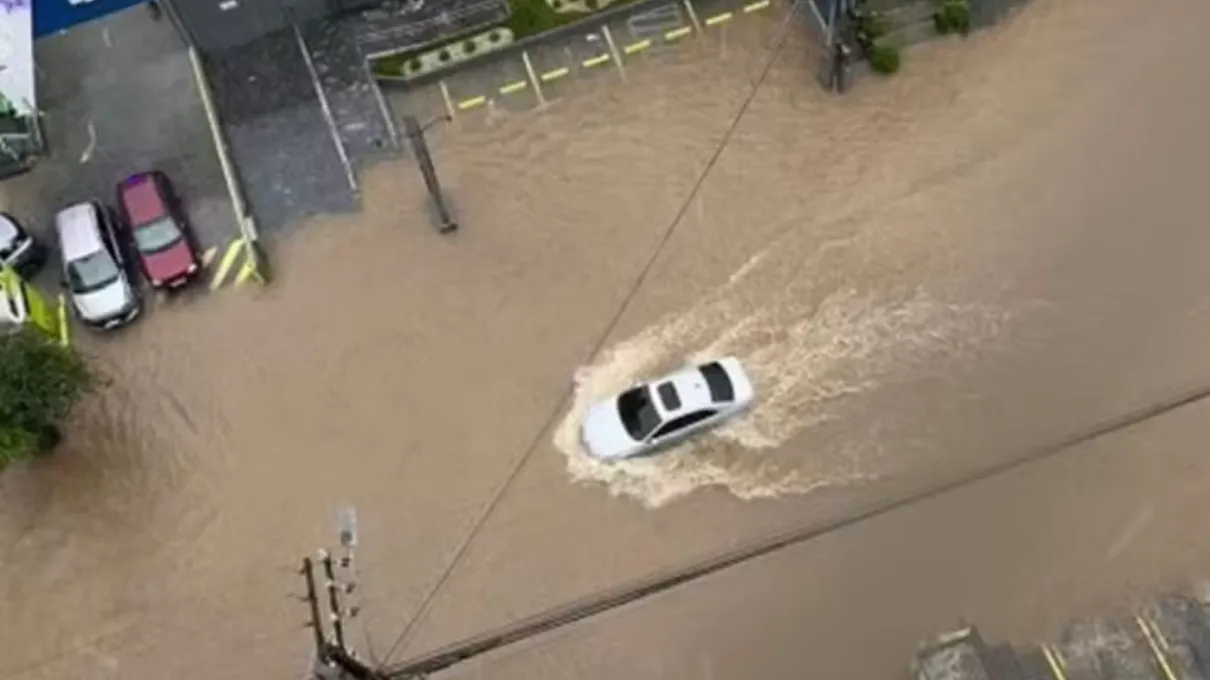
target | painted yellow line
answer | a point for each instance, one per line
(64, 329)
(636, 47)
(224, 265)
(755, 6)
(514, 87)
(557, 73)
(1055, 663)
(245, 273)
(719, 18)
(208, 256)
(471, 103)
(678, 33)
(1158, 653)
(595, 61)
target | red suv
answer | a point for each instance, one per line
(158, 229)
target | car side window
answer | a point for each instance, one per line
(677, 424)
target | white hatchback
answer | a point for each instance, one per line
(654, 415)
(94, 266)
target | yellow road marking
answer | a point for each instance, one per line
(224, 265)
(595, 61)
(678, 33)
(64, 331)
(755, 6)
(208, 256)
(514, 87)
(557, 73)
(245, 273)
(719, 18)
(1055, 663)
(471, 103)
(1158, 653)
(636, 47)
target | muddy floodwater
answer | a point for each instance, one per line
(1001, 246)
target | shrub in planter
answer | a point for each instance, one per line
(868, 26)
(885, 59)
(469, 47)
(953, 16)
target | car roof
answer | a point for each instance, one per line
(78, 231)
(142, 200)
(691, 391)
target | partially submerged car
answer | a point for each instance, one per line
(19, 249)
(94, 266)
(158, 230)
(654, 415)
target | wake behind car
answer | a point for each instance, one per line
(19, 249)
(158, 230)
(654, 415)
(94, 266)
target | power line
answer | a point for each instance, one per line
(603, 601)
(774, 51)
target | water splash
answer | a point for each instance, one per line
(805, 361)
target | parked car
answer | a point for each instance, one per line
(159, 232)
(652, 416)
(19, 249)
(94, 266)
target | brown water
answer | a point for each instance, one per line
(1001, 245)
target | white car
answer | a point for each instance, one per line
(651, 416)
(94, 268)
(19, 249)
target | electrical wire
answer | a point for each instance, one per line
(774, 51)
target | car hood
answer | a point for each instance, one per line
(603, 434)
(99, 305)
(170, 263)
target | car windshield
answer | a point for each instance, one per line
(721, 389)
(637, 412)
(156, 236)
(92, 272)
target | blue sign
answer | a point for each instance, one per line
(52, 16)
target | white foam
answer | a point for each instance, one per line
(804, 360)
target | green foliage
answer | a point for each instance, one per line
(40, 381)
(885, 59)
(953, 16)
(872, 24)
(530, 17)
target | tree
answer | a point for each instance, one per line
(40, 381)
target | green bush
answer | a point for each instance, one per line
(953, 16)
(530, 17)
(885, 59)
(872, 24)
(40, 381)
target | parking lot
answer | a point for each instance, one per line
(118, 96)
(544, 74)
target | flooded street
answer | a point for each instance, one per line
(999, 247)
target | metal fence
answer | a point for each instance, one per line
(21, 144)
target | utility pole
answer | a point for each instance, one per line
(334, 659)
(415, 132)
